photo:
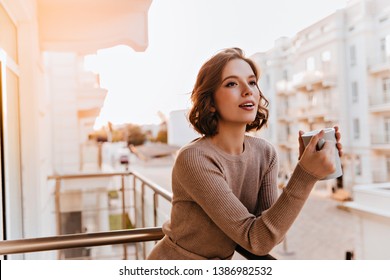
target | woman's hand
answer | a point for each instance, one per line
(319, 163)
(338, 144)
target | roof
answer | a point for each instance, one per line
(153, 150)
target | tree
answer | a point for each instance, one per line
(107, 135)
(98, 135)
(135, 135)
(162, 136)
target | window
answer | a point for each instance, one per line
(310, 64)
(285, 74)
(385, 48)
(326, 97)
(356, 129)
(386, 89)
(312, 99)
(308, 36)
(352, 55)
(355, 92)
(11, 173)
(267, 81)
(325, 28)
(325, 58)
(358, 166)
(289, 158)
(286, 106)
(288, 132)
(388, 167)
(387, 130)
(383, 19)
(9, 34)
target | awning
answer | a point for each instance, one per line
(84, 26)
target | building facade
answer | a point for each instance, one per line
(335, 72)
(46, 99)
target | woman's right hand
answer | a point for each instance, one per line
(319, 163)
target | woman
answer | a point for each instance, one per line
(225, 183)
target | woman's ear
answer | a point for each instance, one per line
(212, 109)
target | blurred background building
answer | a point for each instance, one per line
(48, 101)
(335, 72)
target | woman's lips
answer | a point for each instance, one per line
(247, 106)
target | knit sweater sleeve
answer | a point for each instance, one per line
(202, 179)
(268, 192)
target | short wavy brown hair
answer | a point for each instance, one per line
(207, 82)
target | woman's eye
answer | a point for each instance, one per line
(231, 84)
(252, 83)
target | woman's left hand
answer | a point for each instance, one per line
(339, 146)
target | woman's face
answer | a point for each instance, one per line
(237, 98)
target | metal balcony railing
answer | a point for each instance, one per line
(79, 240)
(95, 239)
(380, 99)
(380, 138)
(125, 236)
(132, 206)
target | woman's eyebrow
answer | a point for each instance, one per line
(230, 77)
(236, 77)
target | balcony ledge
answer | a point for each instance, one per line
(88, 25)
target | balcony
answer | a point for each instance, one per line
(320, 113)
(380, 176)
(380, 141)
(136, 225)
(101, 206)
(382, 66)
(284, 87)
(287, 141)
(380, 103)
(308, 81)
(283, 114)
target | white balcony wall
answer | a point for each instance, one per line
(31, 135)
(180, 131)
(62, 74)
(371, 205)
(29, 204)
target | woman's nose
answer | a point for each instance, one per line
(247, 90)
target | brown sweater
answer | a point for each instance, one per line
(221, 200)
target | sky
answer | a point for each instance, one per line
(183, 34)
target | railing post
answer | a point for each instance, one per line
(57, 194)
(143, 204)
(143, 214)
(155, 205)
(135, 210)
(135, 199)
(123, 213)
(285, 250)
(100, 155)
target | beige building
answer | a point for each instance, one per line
(335, 72)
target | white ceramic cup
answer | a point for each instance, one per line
(329, 136)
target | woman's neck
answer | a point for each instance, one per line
(230, 140)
